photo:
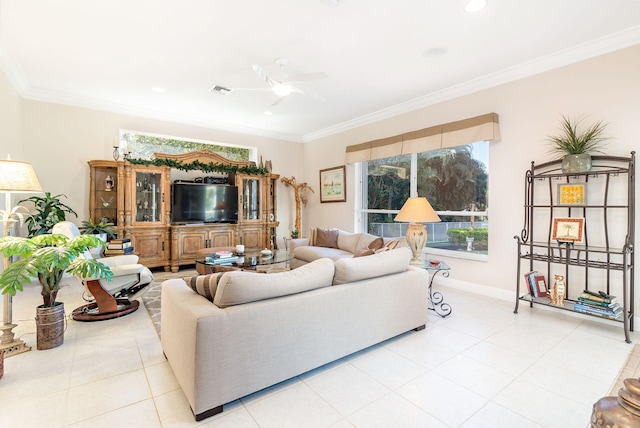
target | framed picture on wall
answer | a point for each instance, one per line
(332, 185)
(572, 194)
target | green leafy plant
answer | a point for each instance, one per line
(459, 236)
(572, 141)
(50, 210)
(47, 257)
(104, 225)
(294, 233)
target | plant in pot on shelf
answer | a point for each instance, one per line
(47, 257)
(103, 229)
(50, 210)
(577, 146)
(294, 234)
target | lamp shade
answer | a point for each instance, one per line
(18, 177)
(417, 210)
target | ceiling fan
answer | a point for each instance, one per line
(282, 88)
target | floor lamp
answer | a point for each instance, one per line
(15, 177)
(416, 211)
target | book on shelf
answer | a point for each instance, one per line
(540, 285)
(121, 251)
(120, 241)
(601, 299)
(119, 245)
(529, 279)
(599, 311)
(599, 304)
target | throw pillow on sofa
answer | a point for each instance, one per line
(363, 252)
(236, 288)
(204, 285)
(327, 238)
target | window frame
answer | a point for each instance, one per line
(361, 213)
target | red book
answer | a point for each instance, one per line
(541, 285)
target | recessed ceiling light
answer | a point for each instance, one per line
(268, 113)
(157, 89)
(435, 51)
(475, 6)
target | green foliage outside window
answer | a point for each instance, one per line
(144, 146)
(459, 236)
(450, 179)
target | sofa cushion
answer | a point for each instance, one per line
(309, 253)
(327, 238)
(204, 285)
(363, 252)
(236, 288)
(359, 268)
(348, 241)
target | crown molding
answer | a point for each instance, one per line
(601, 46)
(594, 48)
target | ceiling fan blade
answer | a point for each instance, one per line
(251, 89)
(262, 74)
(277, 101)
(305, 77)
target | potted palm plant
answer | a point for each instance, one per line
(47, 257)
(577, 146)
(50, 210)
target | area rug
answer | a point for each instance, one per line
(631, 369)
(151, 298)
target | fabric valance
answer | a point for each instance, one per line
(459, 133)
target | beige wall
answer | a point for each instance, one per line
(9, 120)
(606, 88)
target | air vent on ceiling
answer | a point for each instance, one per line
(220, 90)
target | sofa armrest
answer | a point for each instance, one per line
(297, 242)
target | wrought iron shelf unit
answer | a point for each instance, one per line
(604, 260)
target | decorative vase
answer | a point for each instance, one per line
(108, 183)
(49, 326)
(620, 411)
(576, 163)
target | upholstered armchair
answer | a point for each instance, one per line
(129, 281)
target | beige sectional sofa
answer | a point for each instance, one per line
(331, 243)
(231, 334)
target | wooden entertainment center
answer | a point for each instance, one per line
(137, 199)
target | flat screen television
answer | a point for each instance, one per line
(208, 203)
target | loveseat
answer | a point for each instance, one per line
(227, 335)
(334, 244)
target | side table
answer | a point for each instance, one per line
(435, 297)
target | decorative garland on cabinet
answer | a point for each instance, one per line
(205, 167)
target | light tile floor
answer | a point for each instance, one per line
(481, 367)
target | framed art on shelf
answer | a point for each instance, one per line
(332, 185)
(572, 194)
(567, 229)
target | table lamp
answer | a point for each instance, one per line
(416, 211)
(15, 177)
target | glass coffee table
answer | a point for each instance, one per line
(251, 259)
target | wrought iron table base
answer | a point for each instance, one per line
(435, 297)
